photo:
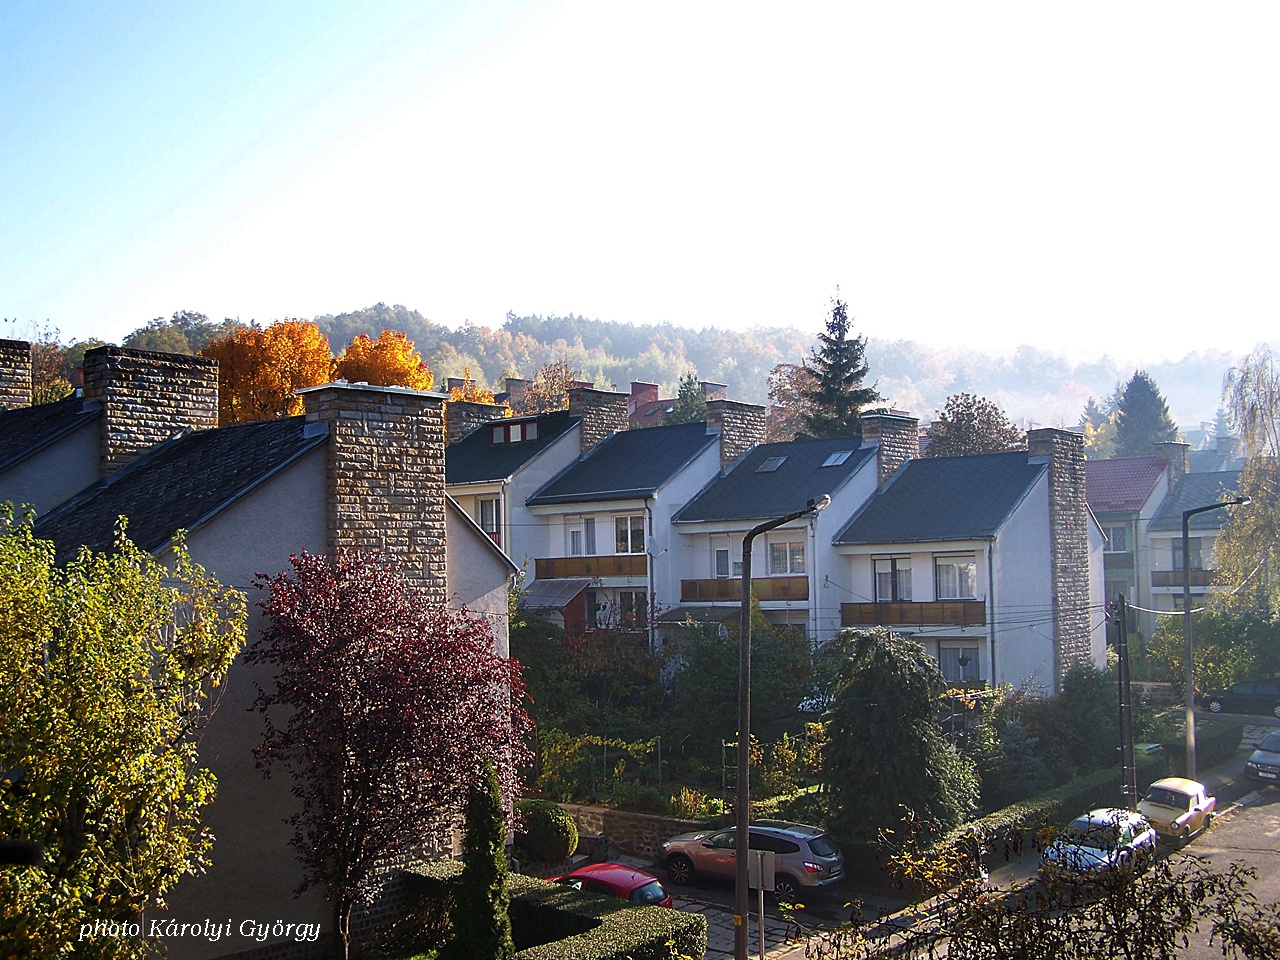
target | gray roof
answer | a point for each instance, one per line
(746, 494)
(944, 498)
(176, 485)
(26, 430)
(630, 465)
(474, 459)
(1197, 490)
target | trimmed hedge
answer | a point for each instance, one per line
(549, 834)
(1216, 742)
(551, 922)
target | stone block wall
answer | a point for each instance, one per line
(463, 416)
(634, 834)
(741, 427)
(897, 440)
(147, 397)
(15, 374)
(386, 475)
(1179, 456)
(603, 412)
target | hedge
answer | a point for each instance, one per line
(549, 834)
(552, 922)
(1216, 742)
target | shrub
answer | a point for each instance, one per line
(481, 900)
(1216, 742)
(693, 805)
(634, 796)
(549, 834)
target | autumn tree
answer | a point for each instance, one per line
(690, 404)
(1142, 417)
(967, 425)
(837, 397)
(1098, 423)
(391, 360)
(106, 670)
(788, 383)
(385, 708)
(470, 391)
(261, 369)
(549, 390)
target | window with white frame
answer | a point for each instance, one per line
(629, 534)
(582, 537)
(722, 563)
(1193, 546)
(487, 508)
(959, 664)
(1117, 535)
(786, 558)
(956, 577)
(893, 579)
(519, 432)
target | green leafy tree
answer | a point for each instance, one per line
(481, 924)
(967, 425)
(1230, 645)
(106, 669)
(690, 405)
(1142, 417)
(837, 397)
(186, 332)
(885, 751)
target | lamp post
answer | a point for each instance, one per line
(1186, 616)
(812, 508)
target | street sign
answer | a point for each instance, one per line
(760, 868)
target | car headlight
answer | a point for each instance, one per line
(1249, 764)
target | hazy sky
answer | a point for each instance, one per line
(1089, 177)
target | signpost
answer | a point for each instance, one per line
(760, 865)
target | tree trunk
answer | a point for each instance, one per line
(342, 928)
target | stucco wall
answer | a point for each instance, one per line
(477, 576)
(1023, 626)
(55, 473)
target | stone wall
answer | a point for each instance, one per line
(463, 416)
(741, 427)
(603, 412)
(147, 397)
(386, 475)
(1069, 543)
(1178, 454)
(897, 440)
(15, 374)
(633, 834)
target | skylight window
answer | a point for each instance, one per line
(837, 458)
(770, 464)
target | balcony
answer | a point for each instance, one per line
(939, 613)
(725, 589)
(1173, 578)
(592, 568)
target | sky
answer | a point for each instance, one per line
(1089, 178)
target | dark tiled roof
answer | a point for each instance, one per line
(1197, 490)
(1123, 485)
(628, 465)
(24, 431)
(176, 485)
(1213, 461)
(744, 494)
(944, 498)
(473, 459)
(649, 413)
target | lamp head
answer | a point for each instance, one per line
(821, 503)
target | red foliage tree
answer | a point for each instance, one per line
(393, 705)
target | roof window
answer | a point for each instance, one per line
(771, 464)
(837, 458)
(514, 432)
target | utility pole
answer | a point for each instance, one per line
(1119, 611)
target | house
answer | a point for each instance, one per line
(1224, 455)
(363, 468)
(993, 562)
(604, 555)
(646, 409)
(1164, 534)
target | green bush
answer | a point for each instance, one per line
(1216, 742)
(549, 834)
(636, 796)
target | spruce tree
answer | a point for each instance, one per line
(481, 925)
(1143, 418)
(835, 402)
(690, 404)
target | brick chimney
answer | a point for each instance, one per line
(641, 393)
(385, 475)
(740, 425)
(896, 437)
(15, 374)
(602, 411)
(516, 388)
(714, 391)
(1069, 544)
(147, 397)
(1178, 454)
(463, 416)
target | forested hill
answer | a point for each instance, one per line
(1031, 384)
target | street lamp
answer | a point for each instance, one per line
(1186, 616)
(812, 509)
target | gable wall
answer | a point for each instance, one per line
(55, 473)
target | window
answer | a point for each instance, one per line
(1193, 544)
(770, 464)
(582, 537)
(629, 534)
(1117, 535)
(513, 432)
(722, 564)
(959, 664)
(575, 543)
(893, 579)
(595, 608)
(632, 608)
(1113, 589)
(786, 558)
(489, 514)
(957, 578)
(837, 458)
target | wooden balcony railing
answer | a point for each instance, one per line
(940, 613)
(730, 589)
(563, 568)
(1173, 578)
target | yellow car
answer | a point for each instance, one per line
(1178, 808)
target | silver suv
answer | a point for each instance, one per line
(806, 858)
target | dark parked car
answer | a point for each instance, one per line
(1263, 764)
(1247, 696)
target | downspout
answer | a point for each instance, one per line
(991, 608)
(650, 560)
(814, 595)
(504, 533)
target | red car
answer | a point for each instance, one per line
(617, 880)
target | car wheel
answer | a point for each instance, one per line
(785, 890)
(1275, 711)
(1215, 706)
(1208, 822)
(679, 870)
(1185, 837)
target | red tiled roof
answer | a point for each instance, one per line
(650, 414)
(1123, 485)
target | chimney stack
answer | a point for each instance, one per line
(463, 416)
(147, 398)
(386, 475)
(15, 374)
(1178, 454)
(896, 437)
(1226, 446)
(516, 388)
(714, 391)
(641, 393)
(740, 425)
(602, 411)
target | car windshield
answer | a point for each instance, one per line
(1086, 833)
(1168, 798)
(651, 892)
(1271, 744)
(823, 847)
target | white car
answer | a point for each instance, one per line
(1101, 841)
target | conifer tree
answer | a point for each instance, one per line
(1143, 418)
(835, 402)
(690, 405)
(482, 927)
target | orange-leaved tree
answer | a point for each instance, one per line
(259, 369)
(391, 360)
(470, 391)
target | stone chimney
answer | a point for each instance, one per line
(463, 416)
(515, 391)
(896, 437)
(1069, 544)
(15, 374)
(740, 425)
(641, 393)
(455, 383)
(602, 411)
(714, 391)
(386, 475)
(146, 398)
(1227, 447)
(1178, 454)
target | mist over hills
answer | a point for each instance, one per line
(1031, 384)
